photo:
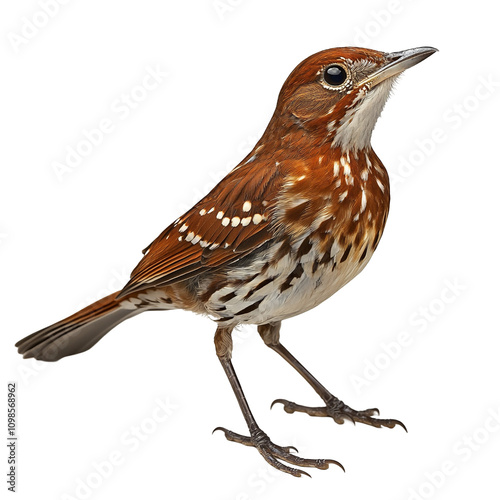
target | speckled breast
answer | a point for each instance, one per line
(327, 228)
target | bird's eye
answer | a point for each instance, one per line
(335, 75)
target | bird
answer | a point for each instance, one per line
(298, 218)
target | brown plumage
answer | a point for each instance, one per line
(297, 219)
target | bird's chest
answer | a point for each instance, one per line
(327, 229)
(314, 269)
(290, 277)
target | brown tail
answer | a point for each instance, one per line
(77, 333)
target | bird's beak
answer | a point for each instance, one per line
(397, 62)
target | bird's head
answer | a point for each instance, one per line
(338, 94)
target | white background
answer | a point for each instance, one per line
(66, 240)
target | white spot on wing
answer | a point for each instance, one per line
(252, 158)
(190, 236)
(220, 214)
(246, 221)
(183, 228)
(247, 206)
(235, 221)
(225, 221)
(203, 211)
(257, 218)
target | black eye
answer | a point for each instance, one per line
(335, 75)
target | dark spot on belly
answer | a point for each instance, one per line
(283, 250)
(304, 248)
(227, 297)
(346, 253)
(363, 255)
(250, 308)
(296, 273)
(326, 258)
(315, 266)
(260, 285)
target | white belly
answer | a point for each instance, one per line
(302, 293)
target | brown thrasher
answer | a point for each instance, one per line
(290, 225)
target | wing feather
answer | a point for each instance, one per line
(203, 239)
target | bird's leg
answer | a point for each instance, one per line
(271, 452)
(334, 408)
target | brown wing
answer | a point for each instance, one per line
(231, 221)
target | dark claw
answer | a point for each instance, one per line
(272, 452)
(282, 401)
(340, 412)
(334, 462)
(397, 422)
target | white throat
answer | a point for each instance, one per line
(355, 130)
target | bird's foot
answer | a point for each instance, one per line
(273, 453)
(340, 412)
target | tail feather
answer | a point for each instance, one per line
(77, 333)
